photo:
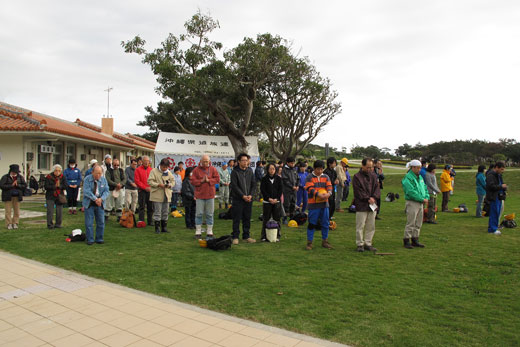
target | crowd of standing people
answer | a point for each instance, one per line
(284, 189)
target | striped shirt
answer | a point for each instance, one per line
(313, 184)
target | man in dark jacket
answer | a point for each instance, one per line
(242, 189)
(366, 193)
(496, 195)
(116, 179)
(13, 185)
(290, 180)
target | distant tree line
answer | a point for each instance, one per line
(469, 152)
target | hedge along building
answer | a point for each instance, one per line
(37, 141)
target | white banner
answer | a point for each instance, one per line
(197, 145)
(189, 149)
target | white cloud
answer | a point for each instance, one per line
(406, 71)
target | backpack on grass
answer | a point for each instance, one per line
(220, 244)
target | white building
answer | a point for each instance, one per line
(37, 141)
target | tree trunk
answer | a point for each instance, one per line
(239, 143)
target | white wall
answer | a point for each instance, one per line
(11, 152)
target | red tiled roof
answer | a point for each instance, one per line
(18, 119)
(128, 138)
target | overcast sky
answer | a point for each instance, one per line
(406, 71)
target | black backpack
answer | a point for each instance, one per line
(226, 215)
(300, 218)
(390, 197)
(220, 244)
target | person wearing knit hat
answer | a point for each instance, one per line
(13, 185)
(415, 194)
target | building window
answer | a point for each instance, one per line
(44, 156)
(56, 156)
(71, 153)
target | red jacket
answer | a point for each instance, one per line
(141, 177)
(204, 190)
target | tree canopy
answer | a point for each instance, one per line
(257, 87)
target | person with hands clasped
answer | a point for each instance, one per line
(242, 187)
(13, 185)
(271, 189)
(416, 195)
(143, 196)
(366, 194)
(95, 194)
(204, 178)
(161, 182)
(319, 190)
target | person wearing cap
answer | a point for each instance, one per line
(13, 185)
(225, 181)
(107, 162)
(416, 195)
(342, 178)
(346, 188)
(141, 179)
(73, 176)
(55, 185)
(366, 193)
(116, 179)
(378, 170)
(161, 181)
(446, 187)
(95, 194)
(91, 165)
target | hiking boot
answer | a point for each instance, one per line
(9, 227)
(360, 249)
(15, 226)
(235, 241)
(309, 246)
(157, 227)
(370, 248)
(249, 240)
(197, 236)
(164, 224)
(70, 211)
(415, 242)
(406, 243)
(340, 210)
(74, 211)
(325, 244)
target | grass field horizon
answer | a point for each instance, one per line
(461, 290)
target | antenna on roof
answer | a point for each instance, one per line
(108, 90)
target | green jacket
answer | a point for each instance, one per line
(414, 187)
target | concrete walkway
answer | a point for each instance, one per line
(41, 305)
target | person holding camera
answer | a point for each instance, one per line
(161, 181)
(496, 195)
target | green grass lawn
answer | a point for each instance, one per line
(462, 289)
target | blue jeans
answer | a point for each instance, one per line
(204, 207)
(494, 214)
(318, 217)
(99, 213)
(479, 205)
(175, 199)
(301, 197)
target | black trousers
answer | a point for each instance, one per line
(72, 196)
(143, 199)
(345, 192)
(241, 211)
(445, 200)
(274, 211)
(332, 203)
(189, 212)
(289, 202)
